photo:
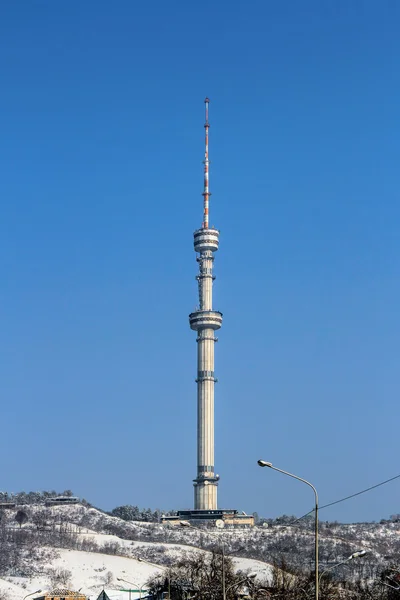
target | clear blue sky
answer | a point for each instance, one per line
(101, 115)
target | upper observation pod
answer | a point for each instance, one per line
(206, 239)
(205, 319)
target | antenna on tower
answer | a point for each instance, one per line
(206, 193)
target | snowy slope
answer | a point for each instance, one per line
(90, 571)
(93, 571)
(14, 592)
(135, 550)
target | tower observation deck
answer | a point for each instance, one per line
(205, 321)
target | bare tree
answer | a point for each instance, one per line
(108, 578)
(21, 517)
(59, 577)
(198, 576)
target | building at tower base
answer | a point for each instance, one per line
(229, 518)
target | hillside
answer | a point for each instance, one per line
(71, 546)
(86, 548)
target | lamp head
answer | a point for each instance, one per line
(358, 554)
(263, 463)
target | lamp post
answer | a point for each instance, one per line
(263, 463)
(223, 553)
(130, 583)
(31, 594)
(357, 554)
(221, 541)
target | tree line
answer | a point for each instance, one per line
(32, 497)
(201, 575)
(128, 512)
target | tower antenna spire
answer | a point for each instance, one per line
(206, 193)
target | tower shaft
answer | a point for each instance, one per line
(205, 321)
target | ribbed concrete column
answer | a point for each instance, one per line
(205, 321)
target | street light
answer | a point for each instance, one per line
(357, 554)
(130, 583)
(263, 463)
(31, 594)
(221, 541)
(164, 569)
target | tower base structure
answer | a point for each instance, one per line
(223, 517)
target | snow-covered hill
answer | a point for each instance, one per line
(89, 549)
(92, 571)
(89, 571)
(107, 561)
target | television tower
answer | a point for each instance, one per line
(205, 321)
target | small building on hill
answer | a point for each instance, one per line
(60, 500)
(62, 594)
(227, 517)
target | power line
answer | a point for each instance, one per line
(347, 497)
(362, 492)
